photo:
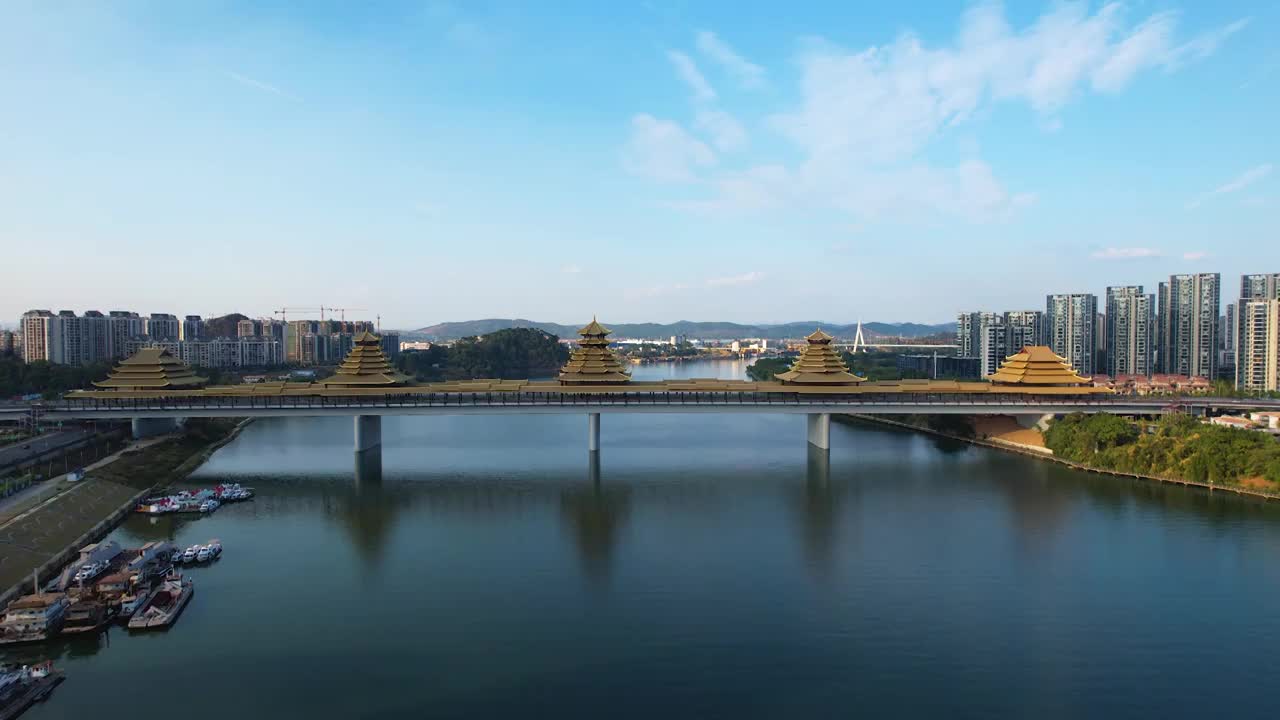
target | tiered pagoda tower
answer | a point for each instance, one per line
(1037, 365)
(819, 364)
(366, 366)
(592, 362)
(151, 369)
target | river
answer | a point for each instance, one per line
(709, 566)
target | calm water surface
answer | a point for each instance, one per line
(707, 567)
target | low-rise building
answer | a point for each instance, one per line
(1233, 421)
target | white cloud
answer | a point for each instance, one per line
(725, 131)
(260, 85)
(664, 151)
(1241, 181)
(1195, 255)
(1125, 253)
(571, 269)
(748, 74)
(734, 280)
(689, 73)
(866, 118)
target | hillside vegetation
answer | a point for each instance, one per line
(704, 330)
(516, 353)
(1176, 446)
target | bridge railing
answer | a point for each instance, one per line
(665, 398)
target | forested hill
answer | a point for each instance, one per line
(703, 330)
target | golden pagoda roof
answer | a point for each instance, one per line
(819, 364)
(592, 361)
(1037, 365)
(151, 368)
(594, 328)
(365, 366)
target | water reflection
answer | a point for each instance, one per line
(367, 512)
(593, 515)
(819, 513)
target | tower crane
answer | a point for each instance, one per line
(342, 312)
(283, 312)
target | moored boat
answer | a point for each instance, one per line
(164, 606)
(33, 618)
(87, 616)
(20, 687)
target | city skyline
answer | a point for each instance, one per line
(644, 163)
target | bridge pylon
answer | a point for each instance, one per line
(820, 430)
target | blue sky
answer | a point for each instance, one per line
(650, 161)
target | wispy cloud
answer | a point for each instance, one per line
(1195, 255)
(865, 119)
(746, 278)
(1125, 253)
(688, 71)
(260, 85)
(664, 151)
(748, 74)
(1241, 181)
(571, 269)
(726, 133)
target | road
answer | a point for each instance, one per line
(16, 453)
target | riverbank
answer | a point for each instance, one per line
(1046, 454)
(44, 538)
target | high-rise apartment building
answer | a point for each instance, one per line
(65, 338)
(192, 328)
(1024, 327)
(391, 344)
(39, 336)
(982, 335)
(1188, 325)
(1070, 322)
(163, 326)
(1258, 360)
(248, 328)
(6, 342)
(1128, 331)
(122, 326)
(993, 345)
(1253, 345)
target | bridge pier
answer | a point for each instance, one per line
(368, 432)
(144, 427)
(820, 430)
(593, 432)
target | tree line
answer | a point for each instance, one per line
(1177, 445)
(511, 354)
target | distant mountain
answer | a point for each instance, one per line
(703, 330)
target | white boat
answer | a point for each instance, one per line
(207, 506)
(215, 548)
(204, 554)
(190, 555)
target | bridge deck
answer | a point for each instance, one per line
(482, 402)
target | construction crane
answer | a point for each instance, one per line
(283, 312)
(342, 311)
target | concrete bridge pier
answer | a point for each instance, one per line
(368, 433)
(593, 432)
(820, 430)
(144, 427)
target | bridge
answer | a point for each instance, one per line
(154, 390)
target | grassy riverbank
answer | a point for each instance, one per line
(1177, 448)
(45, 533)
